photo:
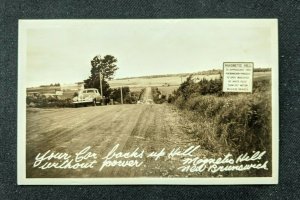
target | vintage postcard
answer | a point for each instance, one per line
(162, 101)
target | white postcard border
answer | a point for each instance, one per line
(21, 118)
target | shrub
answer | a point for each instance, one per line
(187, 88)
(241, 122)
(141, 93)
(261, 85)
(247, 123)
(130, 99)
(235, 122)
(171, 98)
(75, 94)
(157, 96)
(116, 95)
(180, 102)
(213, 86)
(203, 87)
(48, 102)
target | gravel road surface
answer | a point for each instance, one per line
(149, 127)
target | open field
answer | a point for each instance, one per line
(169, 83)
(165, 84)
(167, 90)
(154, 82)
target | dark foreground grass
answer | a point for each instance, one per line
(238, 123)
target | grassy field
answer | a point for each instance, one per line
(230, 122)
(165, 84)
(169, 83)
(67, 94)
(156, 81)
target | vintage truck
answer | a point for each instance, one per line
(87, 96)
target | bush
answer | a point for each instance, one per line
(261, 85)
(213, 86)
(141, 93)
(235, 122)
(246, 123)
(241, 123)
(48, 102)
(130, 99)
(171, 98)
(180, 102)
(203, 87)
(157, 96)
(187, 88)
(116, 95)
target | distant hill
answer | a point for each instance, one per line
(207, 72)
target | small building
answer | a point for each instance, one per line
(74, 86)
(33, 94)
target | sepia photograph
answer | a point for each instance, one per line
(149, 101)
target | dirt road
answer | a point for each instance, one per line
(149, 127)
(147, 96)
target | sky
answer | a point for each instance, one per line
(60, 51)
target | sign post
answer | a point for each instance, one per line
(121, 95)
(100, 79)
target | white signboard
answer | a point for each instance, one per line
(238, 76)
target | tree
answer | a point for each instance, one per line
(95, 83)
(187, 88)
(116, 94)
(107, 66)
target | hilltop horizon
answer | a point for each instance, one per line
(204, 72)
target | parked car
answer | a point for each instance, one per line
(87, 96)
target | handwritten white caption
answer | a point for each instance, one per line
(188, 162)
(83, 160)
(112, 158)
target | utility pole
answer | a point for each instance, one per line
(100, 78)
(121, 95)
